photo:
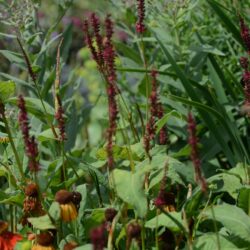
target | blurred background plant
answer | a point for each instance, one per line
(148, 203)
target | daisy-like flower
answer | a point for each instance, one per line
(133, 232)
(68, 203)
(44, 241)
(32, 206)
(70, 245)
(8, 240)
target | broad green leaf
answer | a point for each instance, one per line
(85, 247)
(233, 218)
(55, 211)
(242, 171)
(35, 107)
(129, 187)
(42, 223)
(165, 221)
(47, 135)
(226, 183)
(243, 200)
(208, 241)
(193, 203)
(23, 245)
(7, 89)
(165, 118)
(11, 198)
(208, 49)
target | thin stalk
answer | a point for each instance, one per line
(216, 228)
(32, 75)
(19, 165)
(128, 147)
(156, 230)
(143, 56)
(143, 237)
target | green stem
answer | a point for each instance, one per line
(143, 237)
(128, 147)
(216, 228)
(18, 161)
(143, 56)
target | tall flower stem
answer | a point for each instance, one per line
(129, 151)
(33, 77)
(18, 161)
(145, 64)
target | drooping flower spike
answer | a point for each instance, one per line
(193, 142)
(31, 148)
(104, 55)
(140, 26)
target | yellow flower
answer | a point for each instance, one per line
(40, 247)
(68, 212)
(4, 140)
(68, 204)
(44, 241)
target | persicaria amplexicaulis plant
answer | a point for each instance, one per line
(244, 62)
(156, 112)
(245, 35)
(98, 236)
(165, 200)
(32, 205)
(105, 59)
(193, 142)
(133, 232)
(31, 148)
(140, 26)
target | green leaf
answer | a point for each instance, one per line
(47, 135)
(217, 7)
(208, 49)
(7, 88)
(55, 211)
(129, 188)
(165, 221)
(193, 203)
(23, 245)
(242, 171)
(11, 198)
(244, 199)
(85, 247)
(12, 56)
(159, 124)
(226, 183)
(233, 218)
(35, 107)
(208, 241)
(42, 223)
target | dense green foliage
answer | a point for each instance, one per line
(195, 47)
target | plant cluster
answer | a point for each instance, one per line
(127, 130)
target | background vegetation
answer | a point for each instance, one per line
(195, 46)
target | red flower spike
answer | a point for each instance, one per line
(98, 237)
(30, 143)
(156, 112)
(193, 142)
(105, 58)
(245, 35)
(60, 119)
(89, 42)
(140, 26)
(244, 62)
(96, 27)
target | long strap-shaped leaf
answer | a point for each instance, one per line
(225, 19)
(206, 117)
